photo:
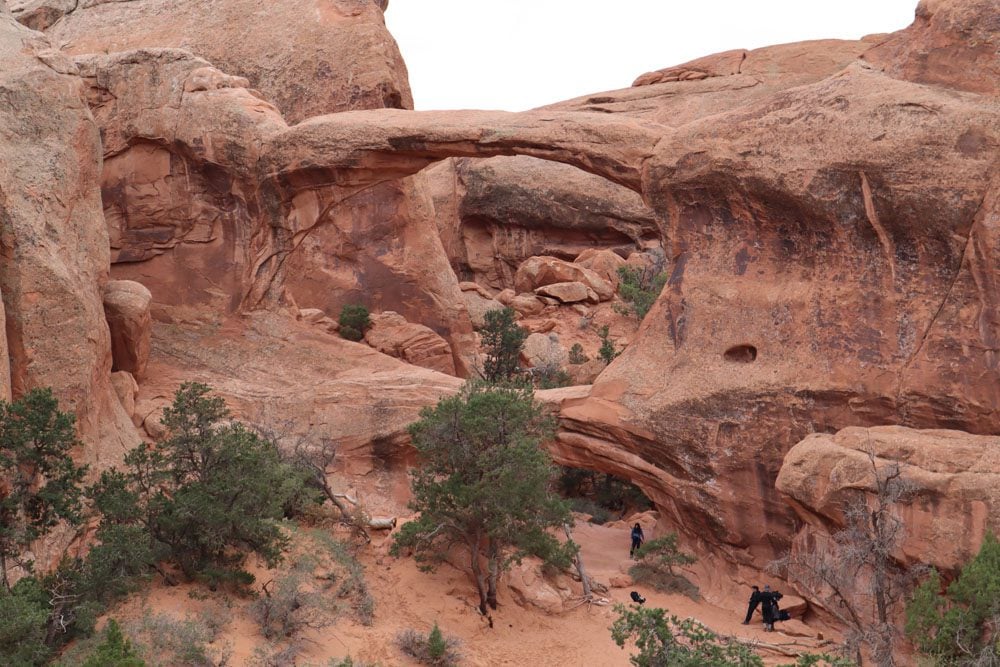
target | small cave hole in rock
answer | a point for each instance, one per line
(741, 354)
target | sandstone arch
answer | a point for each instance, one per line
(815, 227)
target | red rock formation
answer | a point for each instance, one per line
(391, 334)
(538, 272)
(126, 307)
(186, 219)
(297, 381)
(831, 232)
(307, 56)
(952, 43)
(810, 289)
(955, 477)
(54, 244)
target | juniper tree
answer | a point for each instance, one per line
(961, 625)
(502, 343)
(205, 497)
(483, 483)
(39, 482)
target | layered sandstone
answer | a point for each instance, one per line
(297, 382)
(830, 228)
(187, 218)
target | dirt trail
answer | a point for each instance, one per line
(407, 598)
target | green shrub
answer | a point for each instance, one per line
(664, 553)
(115, 651)
(483, 482)
(354, 321)
(353, 585)
(639, 289)
(42, 483)
(663, 581)
(668, 641)
(24, 615)
(608, 352)
(577, 356)
(430, 649)
(551, 376)
(167, 640)
(960, 626)
(203, 498)
(291, 602)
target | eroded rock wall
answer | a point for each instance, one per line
(308, 57)
(54, 243)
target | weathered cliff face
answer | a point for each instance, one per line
(187, 218)
(952, 43)
(54, 244)
(308, 57)
(954, 477)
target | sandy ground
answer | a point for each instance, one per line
(407, 598)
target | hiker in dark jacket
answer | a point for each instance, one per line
(754, 601)
(637, 539)
(769, 608)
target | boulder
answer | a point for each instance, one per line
(319, 318)
(126, 389)
(955, 477)
(527, 305)
(604, 263)
(478, 306)
(391, 334)
(537, 272)
(506, 296)
(544, 350)
(587, 372)
(126, 306)
(530, 587)
(568, 292)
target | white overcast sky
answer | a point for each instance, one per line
(520, 54)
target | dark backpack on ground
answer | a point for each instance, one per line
(636, 597)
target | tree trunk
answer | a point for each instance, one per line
(3, 570)
(578, 562)
(477, 574)
(493, 565)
